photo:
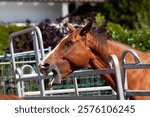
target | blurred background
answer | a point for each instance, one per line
(126, 20)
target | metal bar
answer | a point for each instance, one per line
(138, 92)
(18, 84)
(120, 92)
(124, 80)
(102, 97)
(133, 52)
(136, 66)
(36, 48)
(79, 73)
(34, 28)
(23, 53)
(76, 86)
(69, 90)
(5, 63)
(18, 62)
(40, 40)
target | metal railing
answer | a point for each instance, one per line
(24, 59)
(122, 89)
(137, 65)
(20, 77)
(38, 46)
(113, 61)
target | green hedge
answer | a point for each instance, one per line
(4, 35)
(139, 39)
(3, 38)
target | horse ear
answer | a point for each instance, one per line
(86, 29)
(70, 26)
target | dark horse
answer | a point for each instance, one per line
(86, 48)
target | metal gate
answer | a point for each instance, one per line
(21, 77)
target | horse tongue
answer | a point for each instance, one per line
(54, 72)
(50, 84)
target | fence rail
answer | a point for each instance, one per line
(81, 73)
(33, 76)
(62, 91)
(137, 65)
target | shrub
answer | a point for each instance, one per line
(5, 30)
(139, 39)
(3, 38)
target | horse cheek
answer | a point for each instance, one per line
(79, 58)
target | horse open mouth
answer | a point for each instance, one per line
(55, 78)
(52, 73)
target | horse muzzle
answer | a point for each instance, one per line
(52, 72)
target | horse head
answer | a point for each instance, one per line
(72, 53)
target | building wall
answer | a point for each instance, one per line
(34, 11)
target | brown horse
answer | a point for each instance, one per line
(86, 48)
(9, 97)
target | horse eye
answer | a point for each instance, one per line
(68, 43)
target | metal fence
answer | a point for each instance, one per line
(87, 84)
(7, 79)
(74, 87)
(136, 65)
(29, 82)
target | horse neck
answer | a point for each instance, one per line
(100, 61)
(102, 54)
(147, 57)
(118, 48)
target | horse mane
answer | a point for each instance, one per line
(100, 39)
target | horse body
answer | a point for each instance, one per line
(9, 97)
(138, 79)
(85, 48)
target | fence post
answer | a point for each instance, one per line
(76, 86)
(124, 71)
(15, 68)
(120, 92)
(37, 56)
(37, 41)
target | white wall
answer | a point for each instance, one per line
(20, 11)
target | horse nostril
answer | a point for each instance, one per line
(46, 65)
